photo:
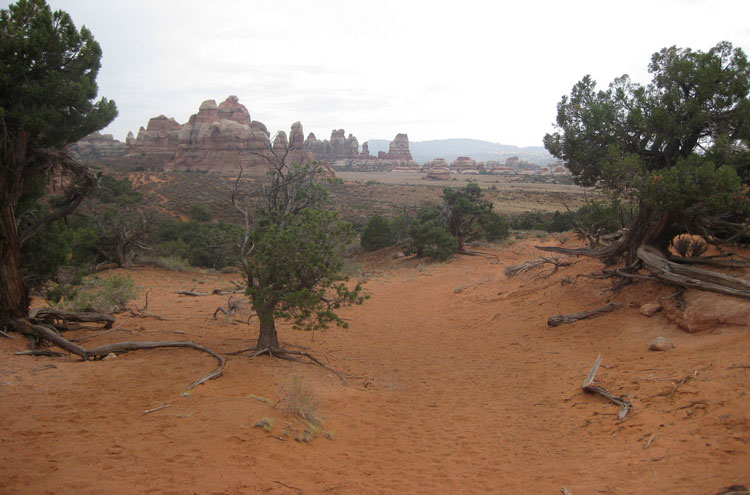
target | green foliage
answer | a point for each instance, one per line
(493, 226)
(599, 217)
(100, 295)
(200, 213)
(428, 236)
(207, 245)
(678, 146)
(693, 179)
(48, 76)
(377, 233)
(72, 243)
(294, 268)
(119, 192)
(464, 208)
(537, 220)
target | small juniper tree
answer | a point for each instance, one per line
(293, 255)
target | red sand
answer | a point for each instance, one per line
(455, 385)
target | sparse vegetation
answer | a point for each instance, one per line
(98, 295)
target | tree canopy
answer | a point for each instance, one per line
(48, 71)
(293, 258)
(678, 148)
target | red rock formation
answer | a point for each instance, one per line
(437, 169)
(399, 149)
(464, 165)
(96, 147)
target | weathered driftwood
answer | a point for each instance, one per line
(710, 261)
(562, 319)
(50, 315)
(514, 270)
(689, 276)
(194, 293)
(44, 333)
(588, 386)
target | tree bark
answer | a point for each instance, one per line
(267, 337)
(14, 295)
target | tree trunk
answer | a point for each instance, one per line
(267, 338)
(14, 296)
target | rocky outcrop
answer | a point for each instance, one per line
(97, 147)
(398, 149)
(398, 158)
(222, 138)
(464, 165)
(437, 169)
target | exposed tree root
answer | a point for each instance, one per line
(688, 276)
(562, 319)
(44, 333)
(605, 252)
(288, 355)
(588, 386)
(670, 272)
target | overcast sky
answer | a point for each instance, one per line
(474, 69)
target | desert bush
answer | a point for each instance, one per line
(116, 191)
(429, 236)
(494, 227)
(377, 234)
(99, 295)
(207, 245)
(200, 213)
(299, 400)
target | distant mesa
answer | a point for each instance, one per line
(222, 138)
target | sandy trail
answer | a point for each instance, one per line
(455, 385)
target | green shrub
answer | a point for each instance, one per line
(98, 295)
(494, 227)
(377, 234)
(200, 213)
(119, 192)
(428, 236)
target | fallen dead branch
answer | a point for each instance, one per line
(149, 411)
(45, 333)
(556, 320)
(588, 386)
(513, 270)
(289, 486)
(192, 293)
(55, 316)
(143, 312)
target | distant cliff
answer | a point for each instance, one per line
(451, 149)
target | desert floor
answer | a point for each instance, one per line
(454, 384)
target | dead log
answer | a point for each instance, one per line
(514, 270)
(50, 315)
(689, 276)
(44, 333)
(588, 386)
(194, 293)
(562, 319)
(710, 261)
(603, 252)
